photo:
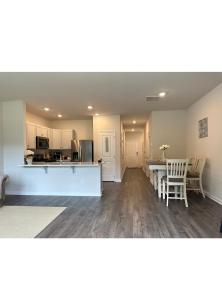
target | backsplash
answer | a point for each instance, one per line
(41, 154)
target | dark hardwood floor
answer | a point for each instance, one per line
(130, 209)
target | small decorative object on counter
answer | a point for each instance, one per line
(29, 157)
(164, 148)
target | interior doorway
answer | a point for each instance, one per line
(134, 144)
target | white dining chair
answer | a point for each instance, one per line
(3, 180)
(192, 164)
(174, 183)
(194, 177)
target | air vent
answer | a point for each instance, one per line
(152, 98)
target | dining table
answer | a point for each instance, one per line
(157, 167)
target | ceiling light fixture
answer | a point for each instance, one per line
(46, 109)
(134, 121)
(96, 114)
(59, 116)
(162, 94)
(90, 107)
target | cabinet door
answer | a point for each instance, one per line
(57, 138)
(45, 131)
(30, 136)
(66, 139)
(42, 131)
(50, 137)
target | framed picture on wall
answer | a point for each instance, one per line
(203, 128)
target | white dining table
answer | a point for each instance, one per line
(160, 168)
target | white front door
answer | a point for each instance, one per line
(134, 145)
(107, 153)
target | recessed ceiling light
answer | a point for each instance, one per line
(46, 109)
(90, 107)
(162, 94)
(96, 114)
(134, 121)
(133, 130)
(59, 116)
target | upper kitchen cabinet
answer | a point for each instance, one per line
(50, 137)
(30, 136)
(42, 131)
(61, 139)
(56, 138)
(66, 139)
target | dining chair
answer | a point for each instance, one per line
(192, 164)
(194, 177)
(174, 183)
(3, 180)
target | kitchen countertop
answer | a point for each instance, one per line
(62, 164)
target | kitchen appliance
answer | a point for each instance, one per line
(82, 150)
(57, 155)
(42, 142)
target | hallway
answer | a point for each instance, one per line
(129, 209)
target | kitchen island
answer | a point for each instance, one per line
(58, 178)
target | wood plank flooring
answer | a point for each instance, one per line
(130, 209)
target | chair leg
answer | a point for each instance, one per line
(185, 196)
(164, 190)
(167, 202)
(201, 188)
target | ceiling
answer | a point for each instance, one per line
(109, 93)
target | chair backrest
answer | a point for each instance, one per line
(200, 166)
(194, 162)
(177, 168)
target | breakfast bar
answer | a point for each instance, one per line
(60, 178)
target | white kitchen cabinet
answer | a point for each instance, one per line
(66, 139)
(57, 138)
(30, 136)
(50, 137)
(42, 131)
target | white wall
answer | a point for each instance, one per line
(147, 141)
(13, 141)
(168, 127)
(1, 140)
(108, 123)
(211, 147)
(122, 150)
(37, 120)
(84, 128)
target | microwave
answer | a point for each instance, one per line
(42, 142)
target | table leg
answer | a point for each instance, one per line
(160, 175)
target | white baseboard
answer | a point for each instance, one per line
(213, 197)
(118, 180)
(78, 194)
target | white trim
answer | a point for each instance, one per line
(213, 197)
(124, 170)
(117, 180)
(20, 193)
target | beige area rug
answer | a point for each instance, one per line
(26, 221)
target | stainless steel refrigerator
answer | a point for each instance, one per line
(82, 150)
